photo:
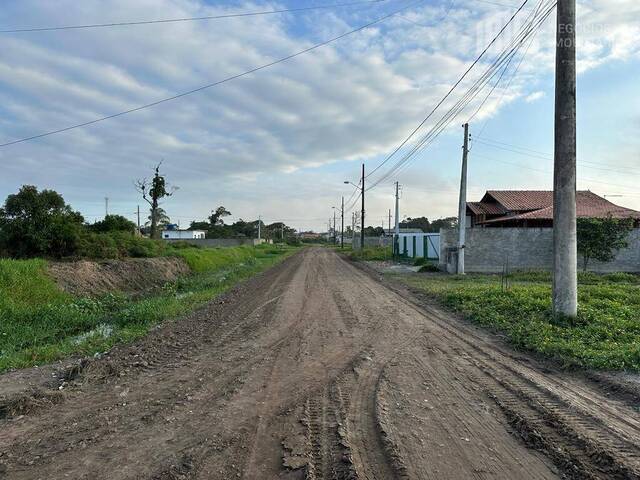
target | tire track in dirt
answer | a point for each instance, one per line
(598, 437)
(316, 369)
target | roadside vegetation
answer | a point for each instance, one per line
(371, 254)
(605, 335)
(40, 323)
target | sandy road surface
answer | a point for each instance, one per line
(315, 369)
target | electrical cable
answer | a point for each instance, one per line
(188, 19)
(214, 84)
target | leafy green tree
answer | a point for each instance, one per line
(34, 223)
(217, 215)
(447, 222)
(161, 219)
(373, 231)
(278, 231)
(420, 222)
(199, 226)
(601, 238)
(113, 223)
(153, 192)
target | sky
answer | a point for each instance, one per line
(281, 142)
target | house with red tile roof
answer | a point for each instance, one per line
(534, 209)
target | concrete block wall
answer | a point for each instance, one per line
(488, 249)
(220, 242)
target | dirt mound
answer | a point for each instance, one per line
(88, 278)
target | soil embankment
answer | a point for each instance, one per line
(132, 276)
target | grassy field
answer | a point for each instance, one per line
(39, 323)
(605, 335)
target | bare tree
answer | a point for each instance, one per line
(153, 192)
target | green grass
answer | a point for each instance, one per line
(41, 324)
(371, 253)
(605, 335)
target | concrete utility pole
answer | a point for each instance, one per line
(342, 225)
(139, 231)
(335, 234)
(106, 206)
(462, 210)
(396, 241)
(259, 230)
(362, 215)
(565, 254)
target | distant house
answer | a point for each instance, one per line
(175, 234)
(310, 236)
(534, 209)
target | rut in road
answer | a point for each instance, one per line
(316, 369)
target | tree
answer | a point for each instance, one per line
(278, 231)
(113, 223)
(373, 231)
(447, 223)
(153, 192)
(36, 223)
(420, 222)
(216, 216)
(160, 217)
(601, 238)
(195, 225)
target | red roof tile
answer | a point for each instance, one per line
(522, 199)
(480, 208)
(588, 205)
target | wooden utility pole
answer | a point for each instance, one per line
(565, 254)
(139, 231)
(335, 234)
(362, 213)
(462, 210)
(342, 224)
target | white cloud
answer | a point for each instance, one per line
(534, 97)
(350, 101)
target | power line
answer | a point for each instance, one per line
(535, 22)
(189, 19)
(519, 165)
(464, 75)
(547, 156)
(214, 84)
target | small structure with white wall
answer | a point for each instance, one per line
(183, 234)
(419, 245)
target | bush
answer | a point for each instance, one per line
(371, 253)
(113, 223)
(429, 268)
(418, 262)
(293, 241)
(121, 245)
(34, 223)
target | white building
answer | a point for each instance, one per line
(183, 234)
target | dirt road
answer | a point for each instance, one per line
(318, 370)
